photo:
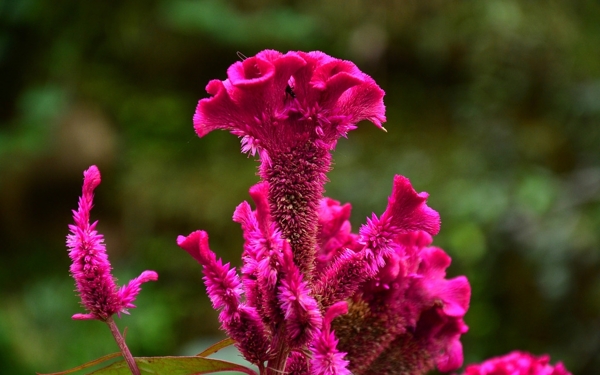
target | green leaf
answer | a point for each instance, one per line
(216, 347)
(174, 366)
(88, 364)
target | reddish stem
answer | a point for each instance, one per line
(124, 349)
(276, 366)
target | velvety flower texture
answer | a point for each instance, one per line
(517, 363)
(90, 266)
(316, 298)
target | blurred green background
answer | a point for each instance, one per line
(493, 108)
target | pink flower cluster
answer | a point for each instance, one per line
(311, 296)
(90, 266)
(517, 363)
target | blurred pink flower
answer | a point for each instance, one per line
(90, 266)
(517, 363)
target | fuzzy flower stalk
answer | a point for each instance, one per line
(90, 268)
(311, 296)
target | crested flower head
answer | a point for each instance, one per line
(517, 363)
(276, 101)
(91, 268)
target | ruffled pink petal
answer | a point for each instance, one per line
(452, 357)
(408, 211)
(334, 229)
(276, 101)
(216, 112)
(364, 102)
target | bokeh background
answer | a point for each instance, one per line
(493, 108)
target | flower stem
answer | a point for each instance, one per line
(276, 366)
(124, 349)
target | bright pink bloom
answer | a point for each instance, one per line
(90, 268)
(517, 363)
(420, 311)
(278, 101)
(291, 109)
(300, 257)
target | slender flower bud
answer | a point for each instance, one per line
(241, 322)
(90, 267)
(343, 278)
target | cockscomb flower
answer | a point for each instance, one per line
(517, 363)
(291, 109)
(90, 266)
(303, 268)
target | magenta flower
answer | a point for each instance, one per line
(304, 273)
(90, 268)
(291, 109)
(517, 363)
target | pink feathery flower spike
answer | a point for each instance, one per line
(91, 269)
(224, 287)
(517, 363)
